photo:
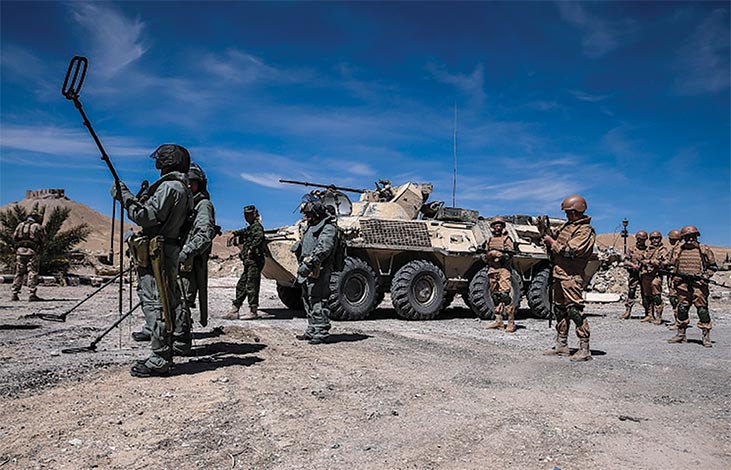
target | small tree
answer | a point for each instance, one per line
(58, 245)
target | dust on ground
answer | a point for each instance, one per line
(388, 393)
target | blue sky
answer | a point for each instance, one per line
(625, 103)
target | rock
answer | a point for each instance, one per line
(76, 442)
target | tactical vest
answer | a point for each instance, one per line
(25, 235)
(652, 253)
(499, 244)
(567, 232)
(690, 261)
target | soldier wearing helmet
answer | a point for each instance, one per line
(693, 264)
(569, 251)
(252, 243)
(632, 263)
(653, 259)
(163, 217)
(315, 252)
(673, 237)
(28, 237)
(193, 259)
(498, 256)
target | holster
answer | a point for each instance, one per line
(157, 261)
(139, 249)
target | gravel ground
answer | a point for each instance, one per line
(386, 394)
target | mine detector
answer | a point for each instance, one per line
(423, 253)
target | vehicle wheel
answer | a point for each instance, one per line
(448, 299)
(467, 301)
(538, 294)
(291, 297)
(353, 291)
(418, 290)
(480, 299)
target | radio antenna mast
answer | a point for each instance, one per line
(454, 179)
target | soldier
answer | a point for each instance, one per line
(654, 258)
(693, 264)
(252, 244)
(156, 251)
(632, 264)
(673, 238)
(499, 255)
(316, 254)
(193, 259)
(570, 251)
(28, 236)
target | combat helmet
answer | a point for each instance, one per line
(574, 203)
(674, 234)
(172, 156)
(655, 234)
(196, 173)
(690, 230)
(641, 235)
(497, 220)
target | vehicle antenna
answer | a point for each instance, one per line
(454, 179)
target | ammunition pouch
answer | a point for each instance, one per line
(139, 249)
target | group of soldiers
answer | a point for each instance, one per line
(688, 267)
(177, 221)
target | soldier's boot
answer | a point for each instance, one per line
(561, 348)
(252, 315)
(511, 319)
(648, 315)
(233, 313)
(627, 313)
(674, 324)
(584, 353)
(679, 335)
(706, 332)
(658, 314)
(15, 297)
(34, 298)
(498, 323)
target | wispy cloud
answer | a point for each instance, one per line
(241, 67)
(702, 63)
(472, 84)
(116, 40)
(591, 98)
(269, 180)
(600, 36)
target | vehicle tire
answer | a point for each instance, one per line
(467, 301)
(353, 291)
(448, 299)
(418, 290)
(480, 299)
(538, 299)
(291, 297)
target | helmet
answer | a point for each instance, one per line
(690, 230)
(195, 173)
(172, 156)
(641, 235)
(250, 209)
(497, 220)
(312, 205)
(574, 203)
(674, 235)
(655, 234)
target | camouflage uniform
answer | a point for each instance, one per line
(194, 267)
(653, 259)
(316, 256)
(499, 279)
(28, 236)
(163, 214)
(673, 237)
(632, 263)
(570, 252)
(252, 244)
(695, 259)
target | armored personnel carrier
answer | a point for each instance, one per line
(423, 253)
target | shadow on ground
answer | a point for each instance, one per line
(195, 366)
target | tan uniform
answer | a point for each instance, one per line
(695, 260)
(499, 269)
(672, 292)
(570, 253)
(634, 257)
(655, 258)
(28, 237)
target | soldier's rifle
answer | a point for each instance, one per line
(693, 277)
(324, 186)
(71, 90)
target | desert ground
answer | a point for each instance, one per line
(386, 393)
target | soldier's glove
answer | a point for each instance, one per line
(125, 197)
(183, 257)
(303, 270)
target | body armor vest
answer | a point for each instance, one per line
(690, 261)
(567, 233)
(500, 244)
(25, 235)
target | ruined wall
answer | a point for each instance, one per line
(45, 194)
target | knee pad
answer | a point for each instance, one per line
(657, 299)
(674, 301)
(496, 300)
(683, 310)
(703, 315)
(576, 316)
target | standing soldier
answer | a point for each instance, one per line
(28, 236)
(316, 255)
(673, 237)
(252, 244)
(632, 263)
(193, 259)
(156, 250)
(498, 257)
(693, 264)
(654, 258)
(570, 251)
